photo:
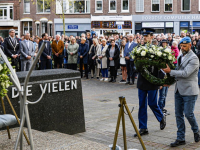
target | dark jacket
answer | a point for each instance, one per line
(116, 56)
(143, 84)
(47, 50)
(83, 51)
(9, 49)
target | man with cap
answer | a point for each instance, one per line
(186, 91)
(147, 93)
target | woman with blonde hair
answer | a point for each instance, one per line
(93, 58)
(72, 51)
(101, 53)
(123, 62)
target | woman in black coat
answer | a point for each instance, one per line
(112, 55)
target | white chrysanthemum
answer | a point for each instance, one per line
(1, 67)
(143, 53)
(159, 53)
(3, 84)
(152, 56)
(170, 57)
(167, 50)
(164, 54)
(7, 85)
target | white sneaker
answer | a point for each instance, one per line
(106, 79)
(102, 79)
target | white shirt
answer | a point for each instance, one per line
(182, 58)
(27, 43)
(130, 44)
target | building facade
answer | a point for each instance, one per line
(9, 17)
(106, 16)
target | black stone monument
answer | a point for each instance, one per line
(61, 108)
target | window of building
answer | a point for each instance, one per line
(109, 24)
(99, 6)
(185, 5)
(112, 6)
(38, 29)
(27, 6)
(168, 5)
(125, 5)
(43, 6)
(6, 12)
(169, 30)
(50, 29)
(155, 5)
(44, 27)
(27, 27)
(79, 6)
(96, 24)
(127, 25)
(139, 5)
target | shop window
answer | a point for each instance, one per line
(158, 31)
(6, 12)
(155, 5)
(185, 5)
(44, 27)
(27, 27)
(139, 5)
(169, 30)
(43, 6)
(127, 25)
(99, 6)
(168, 5)
(27, 6)
(96, 24)
(109, 24)
(112, 6)
(125, 5)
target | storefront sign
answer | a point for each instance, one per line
(169, 24)
(196, 24)
(119, 26)
(72, 26)
(152, 24)
(184, 24)
(111, 18)
(119, 22)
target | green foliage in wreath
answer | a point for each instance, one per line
(150, 55)
(4, 78)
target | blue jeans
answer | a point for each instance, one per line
(162, 97)
(152, 102)
(185, 104)
(104, 73)
(199, 77)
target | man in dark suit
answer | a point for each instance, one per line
(45, 57)
(11, 48)
(129, 61)
(147, 93)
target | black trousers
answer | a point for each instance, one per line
(46, 64)
(131, 72)
(81, 68)
(113, 72)
(15, 63)
(57, 60)
(72, 66)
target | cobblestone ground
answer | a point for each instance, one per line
(101, 112)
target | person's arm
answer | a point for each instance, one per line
(33, 51)
(79, 51)
(192, 66)
(87, 49)
(7, 51)
(76, 49)
(50, 52)
(18, 51)
(61, 48)
(53, 47)
(116, 56)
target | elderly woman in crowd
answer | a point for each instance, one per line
(175, 49)
(101, 53)
(72, 52)
(93, 58)
(113, 59)
(123, 62)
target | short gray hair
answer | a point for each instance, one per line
(11, 30)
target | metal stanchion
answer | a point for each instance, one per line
(121, 115)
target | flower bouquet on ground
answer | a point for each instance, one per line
(151, 55)
(4, 78)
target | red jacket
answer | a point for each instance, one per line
(176, 52)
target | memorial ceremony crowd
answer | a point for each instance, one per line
(106, 57)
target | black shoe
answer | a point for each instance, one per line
(177, 143)
(196, 137)
(131, 83)
(86, 77)
(97, 78)
(111, 80)
(163, 122)
(114, 81)
(92, 77)
(128, 82)
(142, 132)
